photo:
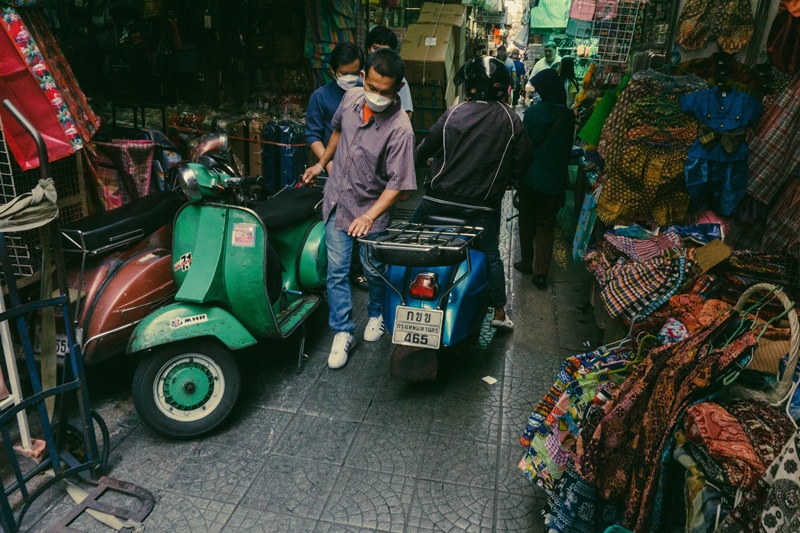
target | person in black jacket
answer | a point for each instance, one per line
(477, 147)
(550, 127)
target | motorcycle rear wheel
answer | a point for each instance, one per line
(186, 389)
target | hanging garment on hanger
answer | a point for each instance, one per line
(730, 22)
(773, 161)
(783, 43)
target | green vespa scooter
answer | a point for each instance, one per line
(243, 274)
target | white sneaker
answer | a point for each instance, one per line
(375, 329)
(342, 343)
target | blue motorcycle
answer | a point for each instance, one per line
(438, 288)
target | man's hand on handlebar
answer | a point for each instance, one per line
(311, 174)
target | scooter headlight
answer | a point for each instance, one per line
(188, 184)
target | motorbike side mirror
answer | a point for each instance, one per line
(219, 142)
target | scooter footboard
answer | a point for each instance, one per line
(465, 305)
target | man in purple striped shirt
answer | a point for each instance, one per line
(374, 146)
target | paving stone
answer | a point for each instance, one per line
(521, 512)
(577, 330)
(247, 520)
(401, 407)
(250, 428)
(439, 506)
(329, 527)
(460, 460)
(509, 477)
(387, 450)
(293, 487)
(222, 472)
(317, 439)
(183, 513)
(337, 401)
(282, 393)
(147, 459)
(369, 499)
(477, 420)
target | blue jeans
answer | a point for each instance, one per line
(488, 242)
(340, 302)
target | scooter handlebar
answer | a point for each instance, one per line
(41, 147)
(246, 182)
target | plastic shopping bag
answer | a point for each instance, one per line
(586, 221)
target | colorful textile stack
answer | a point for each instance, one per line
(729, 22)
(726, 449)
(583, 383)
(644, 143)
(328, 23)
(773, 505)
(620, 456)
(637, 276)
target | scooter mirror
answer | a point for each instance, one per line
(219, 142)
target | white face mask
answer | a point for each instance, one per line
(377, 102)
(347, 81)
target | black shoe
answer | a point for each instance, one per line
(540, 282)
(360, 282)
(524, 267)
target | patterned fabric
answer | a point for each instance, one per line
(645, 249)
(730, 22)
(774, 507)
(720, 433)
(644, 143)
(622, 455)
(702, 500)
(639, 288)
(672, 332)
(121, 169)
(578, 508)
(773, 161)
(783, 223)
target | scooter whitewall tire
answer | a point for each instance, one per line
(186, 389)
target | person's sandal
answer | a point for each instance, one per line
(360, 282)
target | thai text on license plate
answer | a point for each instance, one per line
(418, 327)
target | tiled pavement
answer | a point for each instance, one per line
(353, 450)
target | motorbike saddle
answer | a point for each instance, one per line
(289, 207)
(103, 232)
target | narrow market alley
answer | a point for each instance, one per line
(353, 449)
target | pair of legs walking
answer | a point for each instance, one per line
(340, 247)
(537, 223)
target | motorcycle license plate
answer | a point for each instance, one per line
(418, 327)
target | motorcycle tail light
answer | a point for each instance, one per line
(424, 286)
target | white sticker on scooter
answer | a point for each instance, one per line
(184, 263)
(244, 235)
(179, 322)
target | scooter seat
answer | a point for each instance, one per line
(288, 207)
(119, 227)
(437, 220)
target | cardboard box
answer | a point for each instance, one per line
(454, 15)
(428, 53)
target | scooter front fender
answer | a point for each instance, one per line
(181, 321)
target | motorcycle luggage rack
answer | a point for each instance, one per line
(411, 244)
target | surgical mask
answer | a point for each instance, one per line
(377, 102)
(347, 81)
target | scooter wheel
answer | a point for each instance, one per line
(186, 389)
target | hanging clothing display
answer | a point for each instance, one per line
(37, 79)
(550, 14)
(773, 161)
(716, 166)
(783, 43)
(644, 143)
(729, 22)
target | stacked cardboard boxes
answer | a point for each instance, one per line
(433, 51)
